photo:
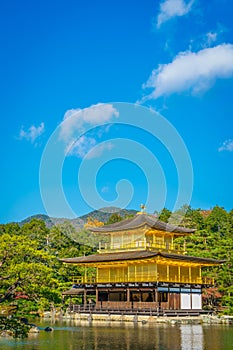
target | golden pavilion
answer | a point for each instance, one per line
(142, 268)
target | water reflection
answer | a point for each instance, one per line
(125, 336)
(191, 337)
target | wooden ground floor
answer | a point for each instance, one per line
(136, 296)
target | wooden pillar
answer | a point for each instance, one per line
(97, 275)
(70, 303)
(97, 295)
(168, 300)
(168, 273)
(85, 274)
(128, 294)
(190, 274)
(85, 297)
(178, 273)
(156, 272)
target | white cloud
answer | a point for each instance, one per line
(204, 41)
(226, 146)
(99, 149)
(87, 146)
(75, 119)
(173, 8)
(32, 133)
(211, 37)
(191, 71)
(80, 147)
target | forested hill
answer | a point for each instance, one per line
(101, 215)
(104, 214)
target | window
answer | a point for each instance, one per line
(162, 297)
(103, 296)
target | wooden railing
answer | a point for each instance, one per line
(141, 245)
(84, 280)
(122, 305)
(143, 278)
(129, 308)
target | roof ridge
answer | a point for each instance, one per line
(140, 220)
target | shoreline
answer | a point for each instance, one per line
(144, 319)
(89, 319)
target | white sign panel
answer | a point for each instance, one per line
(185, 301)
(196, 301)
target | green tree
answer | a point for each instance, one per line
(115, 217)
(187, 217)
(193, 219)
(230, 220)
(217, 220)
(36, 230)
(164, 215)
(25, 268)
(214, 239)
(11, 228)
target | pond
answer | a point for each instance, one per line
(72, 335)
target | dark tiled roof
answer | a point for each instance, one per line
(136, 255)
(192, 258)
(111, 257)
(73, 291)
(141, 220)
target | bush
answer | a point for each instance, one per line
(14, 327)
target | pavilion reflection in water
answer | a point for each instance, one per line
(128, 336)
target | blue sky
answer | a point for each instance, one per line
(59, 58)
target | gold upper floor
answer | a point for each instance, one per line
(142, 239)
(143, 231)
(142, 245)
(158, 270)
